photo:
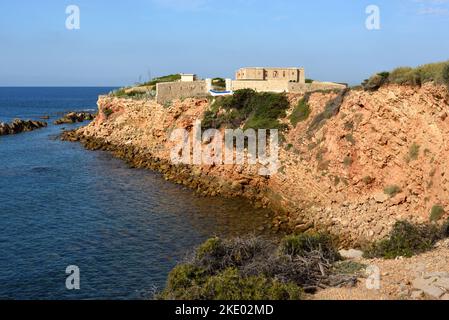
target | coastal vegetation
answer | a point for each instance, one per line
(257, 269)
(249, 109)
(144, 90)
(167, 78)
(219, 83)
(301, 111)
(432, 72)
(108, 112)
(134, 93)
(407, 239)
(392, 190)
(413, 152)
(125, 92)
(436, 213)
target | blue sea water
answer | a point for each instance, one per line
(61, 205)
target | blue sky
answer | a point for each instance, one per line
(120, 42)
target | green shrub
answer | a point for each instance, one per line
(347, 161)
(108, 112)
(301, 112)
(267, 108)
(404, 76)
(392, 190)
(349, 125)
(432, 72)
(254, 110)
(183, 283)
(186, 283)
(255, 269)
(212, 246)
(413, 152)
(436, 213)
(167, 78)
(368, 180)
(219, 82)
(376, 81)
(306, 243)
(350, 138)
(131, 93)
(349, 267)
(230, 285)
(405, 240)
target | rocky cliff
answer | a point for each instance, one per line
(360, 161)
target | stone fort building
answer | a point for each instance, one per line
(265, 74)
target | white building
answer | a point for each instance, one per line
(188, 77)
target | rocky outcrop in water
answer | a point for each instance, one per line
(74, 117)
(18, 126)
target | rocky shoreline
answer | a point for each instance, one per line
(253, 189)
(19, 126)
(188, 176)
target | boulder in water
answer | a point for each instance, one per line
(73, 117)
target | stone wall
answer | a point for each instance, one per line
(169, 91)
(315, 86)
(284, 86)
(261, 85)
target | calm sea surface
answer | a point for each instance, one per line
(61, 205)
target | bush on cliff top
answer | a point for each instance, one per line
(255, 269)
(432, 72)
(248, 108)
(167, 78)
(130, 93)
(375, 81)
